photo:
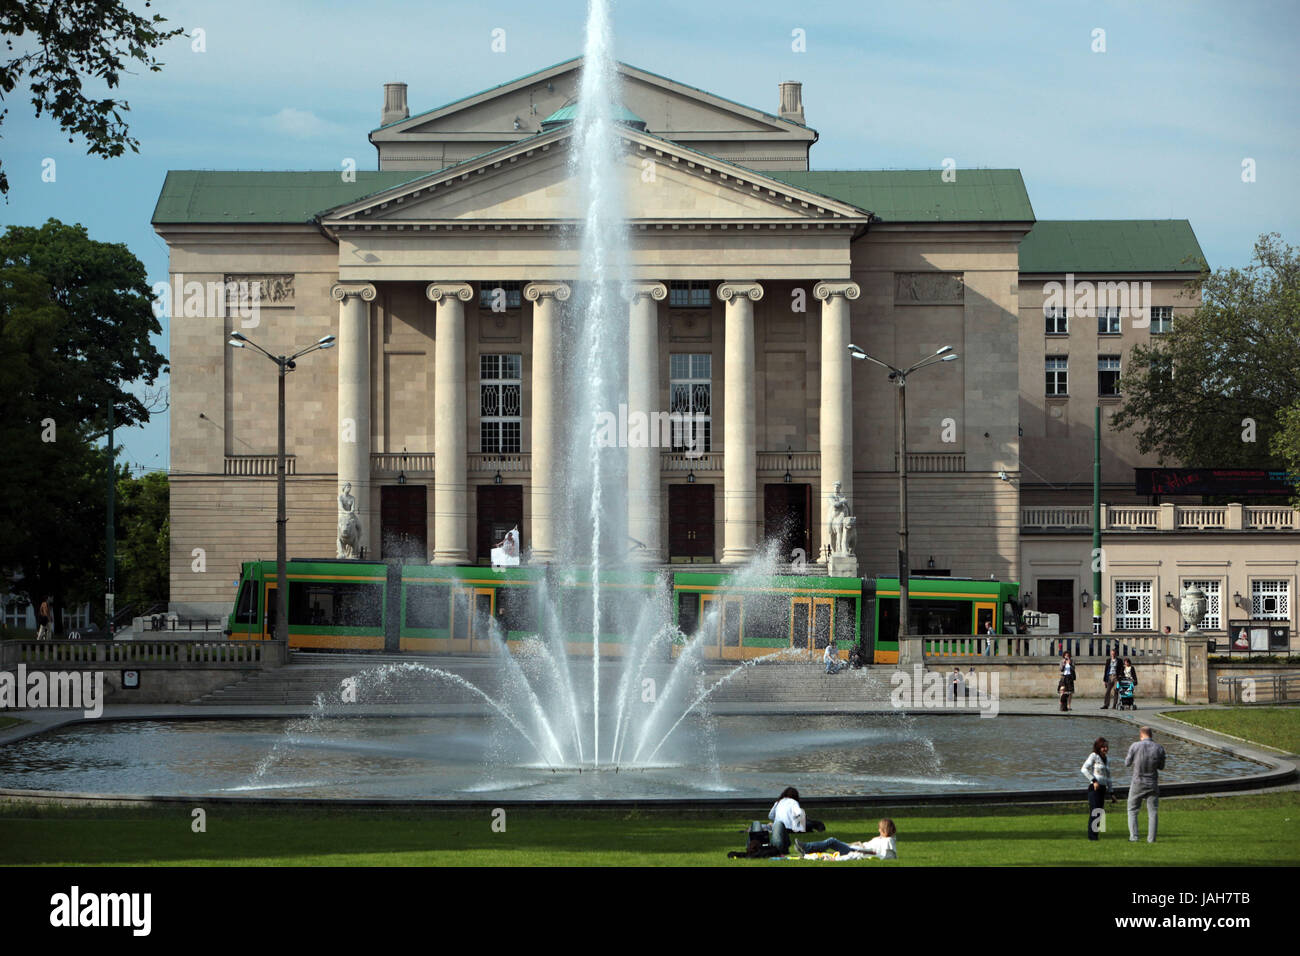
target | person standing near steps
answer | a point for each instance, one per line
(1147, 758)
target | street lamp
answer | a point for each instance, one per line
(286, 365)
(899, 377)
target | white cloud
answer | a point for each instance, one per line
(302, 124)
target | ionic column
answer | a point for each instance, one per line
(644, 503)
(837, 392)
(354, 397)
(544, 491)
(450, 455)
(740, 453)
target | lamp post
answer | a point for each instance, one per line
(286, 365)
(899, 377)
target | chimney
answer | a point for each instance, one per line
(791, 102)
(394, 104)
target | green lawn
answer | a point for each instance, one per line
(1220, 831)
(7, 722)
(1272, 726)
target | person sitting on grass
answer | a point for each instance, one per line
(883, 847)
(787, 817)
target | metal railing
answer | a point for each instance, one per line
(1260, 688)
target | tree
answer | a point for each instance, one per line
(1213, 391)
(75, 320)
(67, 40)
(143, 540)
(1286, 445)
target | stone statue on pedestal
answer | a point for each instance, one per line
(840, 523)
(349, 545)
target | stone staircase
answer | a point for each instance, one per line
(394, 679)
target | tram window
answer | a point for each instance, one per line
(428, 605)
(799, 623)
(517, 609)
(688, 613)
(845, 612)
(940, 617)
(767, 617)
(575, 610)
(246, 605)
(314, 604)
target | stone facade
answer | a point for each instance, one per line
(785, 278)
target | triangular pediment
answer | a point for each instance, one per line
(516, 108)
(533, 182)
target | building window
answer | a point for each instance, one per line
(1108, 320)
(1133, 606)
(1162, 319)
(1213, 618)
(1107, 375)
(689, 295)
(77, 620)
(1057, 375)
(1058, 319)
(500, 388)
(691, 401)
(1270, 600)
(15, 611)
(500, 296)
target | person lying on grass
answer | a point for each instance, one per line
(884, 847)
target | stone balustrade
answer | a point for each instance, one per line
(238, 655)
(258, 466)
(1163, 517)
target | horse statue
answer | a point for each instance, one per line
(349, 544)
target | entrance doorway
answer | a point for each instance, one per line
(1056, 596)
(785, 518)
(500, 508)
(690, 524)
(403, 522)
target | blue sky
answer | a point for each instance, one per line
(1155, 127)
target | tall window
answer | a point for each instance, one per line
(1270, 600)
(500, 387)
(691, 397)
(1107, 375)
(1162, 319)
(689, 295)
(1213, 618)
(15, 610)
(1057, 375)
(1133, 606)
(1058, 319)
(1108, 320)
(500, 296)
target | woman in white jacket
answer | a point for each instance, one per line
(1097, 769)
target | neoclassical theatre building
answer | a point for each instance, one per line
(444, 274)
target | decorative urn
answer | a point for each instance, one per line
(1193, 608)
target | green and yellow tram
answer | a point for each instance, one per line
(387, 606)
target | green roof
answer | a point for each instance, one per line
(921, 195)
(208, 196)
(1110, 245)
(569, 112)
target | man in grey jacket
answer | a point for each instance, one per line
(1147, 758)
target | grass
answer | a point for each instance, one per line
(1277, 727)
(7, 722)
(1258, 829)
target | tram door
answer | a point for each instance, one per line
(733, 616)
(471, 620)
(810, 622)
(985, 614)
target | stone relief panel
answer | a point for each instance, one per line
(929, 288)
(270, 289)
(690, 326)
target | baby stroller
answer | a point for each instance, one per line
(1126, 701)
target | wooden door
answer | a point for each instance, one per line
(500, 508)
(785, 518)
(403, 522)
(690, 523)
